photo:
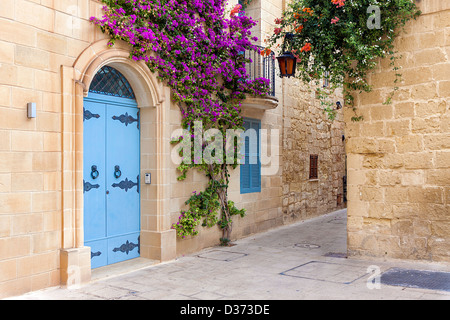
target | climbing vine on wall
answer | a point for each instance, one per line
(342, 40)
(195, 47)
(245, 3)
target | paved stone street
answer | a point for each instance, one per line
(301, 261)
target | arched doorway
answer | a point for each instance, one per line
(111, 169)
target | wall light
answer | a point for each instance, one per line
(31, 110)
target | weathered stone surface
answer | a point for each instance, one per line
(307, 131)
(410, 140)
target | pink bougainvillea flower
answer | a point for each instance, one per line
(338, 3)
(335, 20)
(277, 30)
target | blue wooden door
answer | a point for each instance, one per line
(111, 179)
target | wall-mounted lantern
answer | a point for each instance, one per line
(287, 61)
(288, 64)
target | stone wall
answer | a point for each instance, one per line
(307, 131)
(263, 209)
(36, 39)
(399, 156)
(48, 52)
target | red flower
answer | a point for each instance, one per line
(235, 10)
(338, 3)
(306, 47)
(308, 10)
(266, 52)
(277, 30)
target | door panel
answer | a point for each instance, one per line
(122, 147)
(94, 189)
(123, 247)
(111, 188)
(99, 253)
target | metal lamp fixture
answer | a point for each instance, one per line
(31, 110)
(288, 64)
(287, 61)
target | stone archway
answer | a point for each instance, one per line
(158, 241)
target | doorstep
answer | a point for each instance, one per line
(120, 268)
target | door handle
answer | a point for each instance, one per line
(117, 172)
(94, 172)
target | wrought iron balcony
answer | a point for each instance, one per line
(261, 67)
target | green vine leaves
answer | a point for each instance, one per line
(342, 40)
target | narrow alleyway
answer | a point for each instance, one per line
(306, 260)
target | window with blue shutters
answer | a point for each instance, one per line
(251, 168)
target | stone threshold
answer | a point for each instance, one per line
(120, 268)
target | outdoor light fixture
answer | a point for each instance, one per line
(31, 110)
(287, 61)
(338, 105)
(288, 64)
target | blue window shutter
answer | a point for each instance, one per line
(256, 164)
(251, 170)
(245, 174)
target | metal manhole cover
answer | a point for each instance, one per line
(222, 255)
(433, 280)
(307, 245)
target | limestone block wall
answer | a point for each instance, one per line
(36, 39)
(399, 156)
(47, 51)
(263, 209)
(307, 131)
(44, 45)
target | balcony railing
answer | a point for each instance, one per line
(261, 67)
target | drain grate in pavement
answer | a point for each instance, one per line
(433, 280)
(222, 255)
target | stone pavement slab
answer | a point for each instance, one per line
(303, 261)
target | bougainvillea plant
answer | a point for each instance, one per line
(342, 40)
(196, 48)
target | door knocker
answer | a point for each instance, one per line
(117, 172)
(94, 172)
